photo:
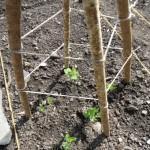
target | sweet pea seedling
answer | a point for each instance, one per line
(72, 73)
(93, 114)
(42, 107)
(50, 100)
(112, 88)
(68, 140)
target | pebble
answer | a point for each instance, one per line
(133, 138)
(97, 127)
(117, 112)
(131, 109)
(5, 132)
(86, 52)
(54, 55)
(120, 140)
(148, 142)
(127, 148)
(43, 64)
(26, 74)
(144, 112)
(27, 64)
(91, 69)
(148, 102)
(34, 43)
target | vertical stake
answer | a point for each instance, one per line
(125, 23)
(66, 11)
(92, 15)
(13, 14)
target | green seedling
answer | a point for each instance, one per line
(42, 107)
(50, 101)
(112, 88)
(72, 73)
(93, 114)
(68, 140)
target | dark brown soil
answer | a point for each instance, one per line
(130, 129)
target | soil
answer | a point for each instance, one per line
(130, 129)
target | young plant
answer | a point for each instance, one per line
(68, 140)
(42, 107)
(72, 73)
(50, 101)
(112, 88)
(93, 114)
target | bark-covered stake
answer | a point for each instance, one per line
(125, 23)
(13, 14)
(92, 15)
(66, 11)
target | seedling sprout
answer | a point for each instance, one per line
(92, 114)
(68, 140)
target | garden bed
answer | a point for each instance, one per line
(130, 128)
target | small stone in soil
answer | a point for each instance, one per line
(133, 138)
(148, 142)
(120, 140)
(131, 109)
(117, 112)
(27, 64)
(144, 112)
(26, 74)
(127, 148)
(148, 102)
(43, 64)
(34, 44)
(97, 127)
(54, 55)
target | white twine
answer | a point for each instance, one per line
(40, 25)
(44, 61)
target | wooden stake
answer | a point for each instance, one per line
(92, 15)
(125, 23)
(66, 10)
(13, 14)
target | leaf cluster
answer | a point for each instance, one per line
(72, 73)
(92, 114)
(112, 88)
(42, 105)
(68, 140)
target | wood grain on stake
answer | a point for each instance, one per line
(13, 14)
(66, 11)
(92, 15)
(125, 23)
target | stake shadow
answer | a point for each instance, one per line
(114, 95)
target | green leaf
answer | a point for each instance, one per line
(68, 140)
(73, 73)
(42, 108)
(67, 72)
(112, 88)
(92, 114)
(50, 100)
(66, 146)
